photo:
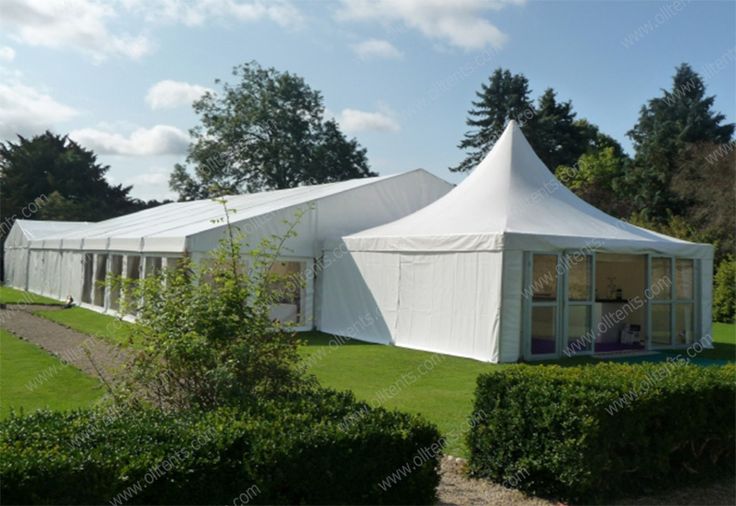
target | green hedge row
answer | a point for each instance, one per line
(287, 454)
(592, 433)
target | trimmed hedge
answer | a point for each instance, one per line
(592, 433)
(295, 454)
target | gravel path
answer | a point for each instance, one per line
(457, 489)
(68, 345)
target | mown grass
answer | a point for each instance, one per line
(31, 379)
(13, 296)
(106, 327)
(439, 387)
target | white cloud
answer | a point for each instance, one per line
(197, 12)
(152, 184)
(168, 94)
(79, 24)
(7, 54)
(376, 48)
(157, 140)
(27, 111)
(459, 23)
(354, 120)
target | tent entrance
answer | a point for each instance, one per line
(586, 302)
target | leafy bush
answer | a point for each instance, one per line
(724, 292)
(290, 453)
(590, 433)
(207, 336)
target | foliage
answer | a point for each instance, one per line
(31, 378)
(283, 454)
(52, 177)
(724, 291)
(550, 126)
(598, 178)
(590, 433)
(265, 131)
(667, 125)
(205, 330)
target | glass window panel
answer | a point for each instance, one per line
(579, 276)
(287, 286)
(578, 328)
(543, 330)
(544, 278)
(684, 323)
(684, 278)
(661, 323)
(661, 286)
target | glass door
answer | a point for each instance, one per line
(580, 300)
(542, 293)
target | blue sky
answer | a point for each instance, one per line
(398, 75)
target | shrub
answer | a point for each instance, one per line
(595, 432)
(724, 291)
(290, 453)
(207, 336)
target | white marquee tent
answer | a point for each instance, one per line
(69, 259)
(510, 264)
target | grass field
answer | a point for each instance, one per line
(12, 296)
(108, 328)
(31, 378)
(438, 387)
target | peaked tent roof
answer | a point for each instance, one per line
(165, 228)
(512, 201)
(24, 231)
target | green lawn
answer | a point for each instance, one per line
(109, 328)
(12, 296)
(31, 378)
(444, 392)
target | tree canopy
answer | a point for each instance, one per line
(681, 117)
(551, 126)
(61, 178)
(264, 131)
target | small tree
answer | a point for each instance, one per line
(206, 330)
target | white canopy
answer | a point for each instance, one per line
(512, 201)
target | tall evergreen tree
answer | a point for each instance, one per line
(505, 97)
(556, 135)
(683, 115)
(265, 131)
(61, 178)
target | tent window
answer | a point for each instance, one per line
(289, 307)
(87, 283)
(100, 275)
(153, 266)
(580, 296)
(133, 273)
(544, 288)
(673, 301)
(116, 271)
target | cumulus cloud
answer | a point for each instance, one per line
(157, 140)
(83, 25)
(198, 12)
(354, 120)
(7, 54)
(169, 94)
(376, 48)
(27, 111)
(459, 23)
(92, 26)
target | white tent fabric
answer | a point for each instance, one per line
(16, 258)
(54, 262)
(448, 278)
